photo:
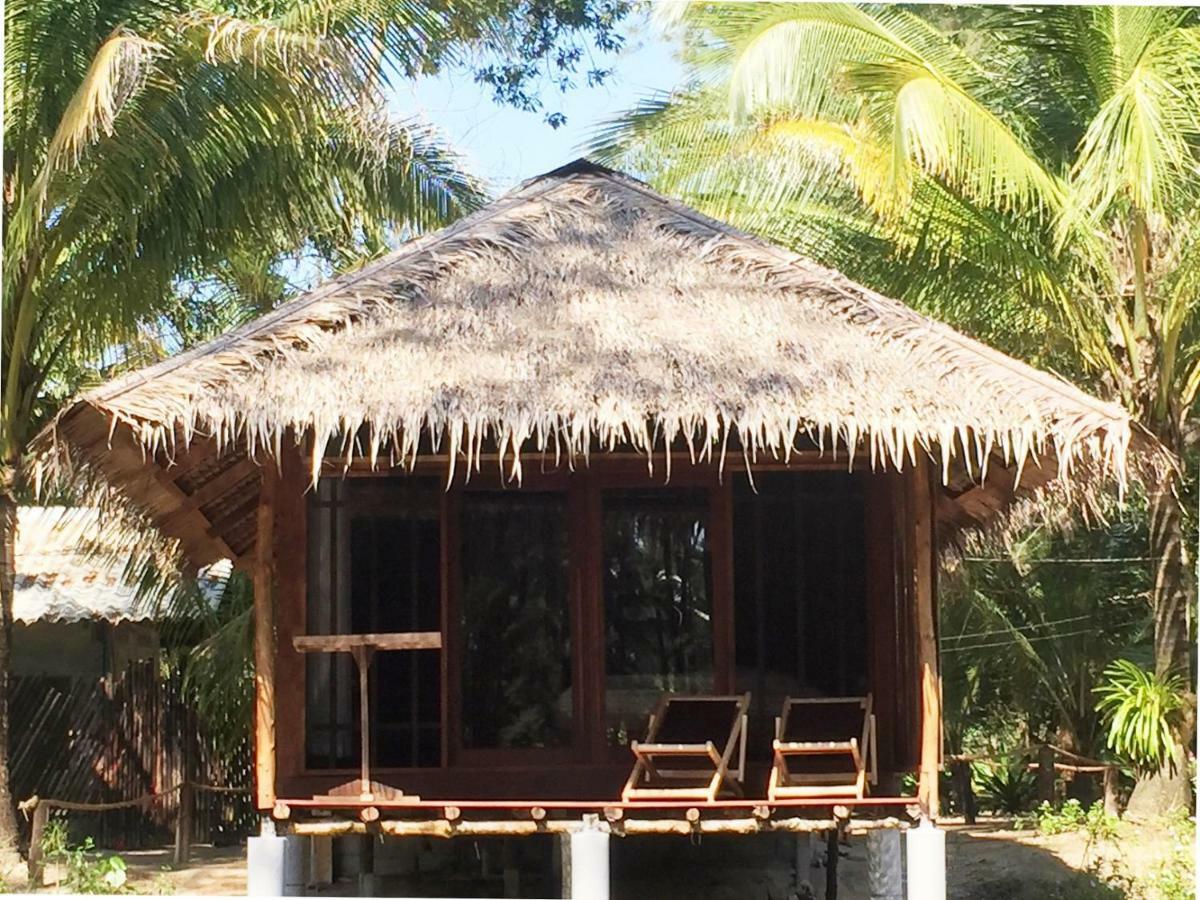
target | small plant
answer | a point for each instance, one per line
(1142, 711)
(86, 871)
(1176, 878)
(1008, 787)
(1071, 816)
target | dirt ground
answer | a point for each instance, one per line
(987, 861)
(990, 861)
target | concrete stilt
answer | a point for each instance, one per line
(265, 865)
(295, 865)
(803, 864)
(589, 864)
(885, 876)
(368, 884)
(564, 866)
(926, 862)
(320, 866)
(512, 874)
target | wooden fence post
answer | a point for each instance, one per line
(41, 817)
(1045, 774)
(966, 794)
(1110, 791)
(183, 824)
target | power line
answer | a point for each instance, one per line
(1082, 560)
(1041, 637)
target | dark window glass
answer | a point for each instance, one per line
(657, 602)
(374, 566)
(799, 591)
(515, 619)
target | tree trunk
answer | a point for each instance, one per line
(1172, 577)
(1168, 789)
(9, 835)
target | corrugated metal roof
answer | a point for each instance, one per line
(63, 575)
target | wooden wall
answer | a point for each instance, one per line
(899, 570)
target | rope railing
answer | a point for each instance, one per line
(38, 809)
(1046, 766)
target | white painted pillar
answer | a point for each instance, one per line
(264, 865)
(926, 862)
(589, 863)
(885, 875)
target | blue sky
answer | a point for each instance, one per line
(505, 145)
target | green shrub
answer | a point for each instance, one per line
(1008, 787)
(1071, 816)
(1142, 711)
(87, 872)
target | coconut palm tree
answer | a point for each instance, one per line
(1028, 174)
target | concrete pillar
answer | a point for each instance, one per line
(588, 865)
(320, 861)
(803, 863)
(562, 862)
(926, 862)
(368, 883)
(295, 865)
(265, 865)
(885, 876)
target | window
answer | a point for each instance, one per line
(657, 602)
(374, 566)
(515, 620)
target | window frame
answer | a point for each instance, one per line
(583, 490)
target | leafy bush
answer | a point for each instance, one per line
(1142, 711)
(1007, 787)
(86, 871)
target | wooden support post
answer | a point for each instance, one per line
(1045, 774)
(966, 793)
(41, 817)
(1111, 807)
(264, 642)
(832, 855)
(921, 520)
(183, 824)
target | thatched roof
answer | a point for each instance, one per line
(581, 311)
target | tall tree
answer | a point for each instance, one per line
(1028, 174)
(151, 146)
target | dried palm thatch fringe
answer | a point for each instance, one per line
(585, 310)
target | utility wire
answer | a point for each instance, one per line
(1081, 560)
(1041, 637)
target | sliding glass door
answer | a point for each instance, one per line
(658, 609)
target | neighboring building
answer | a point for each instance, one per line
(74, 614)
(583, 448)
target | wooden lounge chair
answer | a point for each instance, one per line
(689, 749)
(824, 747)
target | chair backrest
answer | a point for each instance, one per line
(694, 720)
(824, 719)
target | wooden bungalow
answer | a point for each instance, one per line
(584, 448)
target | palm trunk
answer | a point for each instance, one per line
(1168, 789)
(9, 835)
(1172, 578)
